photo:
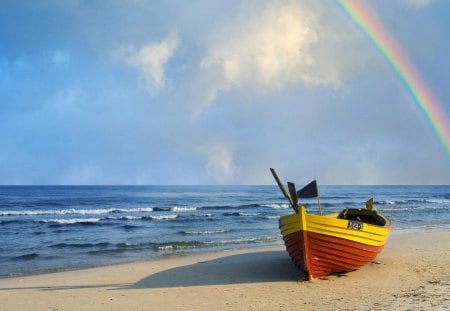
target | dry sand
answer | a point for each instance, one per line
(411, 273)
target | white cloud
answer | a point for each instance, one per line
(282, 44)
(150, 61)
(220, 166)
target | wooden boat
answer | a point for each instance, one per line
(321, 245)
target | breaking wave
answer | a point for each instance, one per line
(204, 232)
(75, 211)
(71, 221)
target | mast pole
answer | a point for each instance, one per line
(318, 198)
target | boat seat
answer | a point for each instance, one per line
(362, 215)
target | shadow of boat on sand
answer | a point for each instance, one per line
(254, 267)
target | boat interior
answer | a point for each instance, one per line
(363, 215)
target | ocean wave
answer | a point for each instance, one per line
(386, 202)
(122, 247)
(130, 227)
(25, 257)
(134, 210)
(249, 206)
(277, 205)
(76, 211)
(439, 201)
(161, 209)
(217, 207)
(272, 217)
(87, 221)
(241, 214)
(227, 207)
(134, 245)
(124, 218)
(30, 213)
(182, 245)
(183, 209)
(161, 217)
(204, 232)
(70, 221)
(415, 208)
(6, 222)
(202, 215)
(243, 240)
(165, 247)
(81, 245)
(178, 245)
(397, 209)
(47, 203)
(413, 201)
(149, 217)
(131, 218)
(106, 251)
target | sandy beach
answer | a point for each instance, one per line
(412, 273)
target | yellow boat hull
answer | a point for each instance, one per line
(322, 245)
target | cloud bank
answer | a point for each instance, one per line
(275, 46)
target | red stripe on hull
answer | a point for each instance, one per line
(294, 244)
(327, 254)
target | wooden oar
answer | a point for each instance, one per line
(293, 192)
(283, 190)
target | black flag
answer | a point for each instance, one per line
(308, 191)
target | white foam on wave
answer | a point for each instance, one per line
(165, 248)
(438, 201)
(206, 232)
(164, 217)
(34, 213)
(70, 220)
(77, 211)
(233, 241)
(415, 208)
(249, 214)
(387, 202)
(125, 218)
(183, 209)
(272, 217)
(136, 210)
(278, 206)
(413, 201)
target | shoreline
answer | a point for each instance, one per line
(413, 270)
(205, 252)
(161, 257)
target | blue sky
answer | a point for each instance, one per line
(216, 92)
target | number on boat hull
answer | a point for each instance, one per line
(355, 225)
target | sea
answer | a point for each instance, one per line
(55, 228)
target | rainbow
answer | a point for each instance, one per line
(427, 103)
